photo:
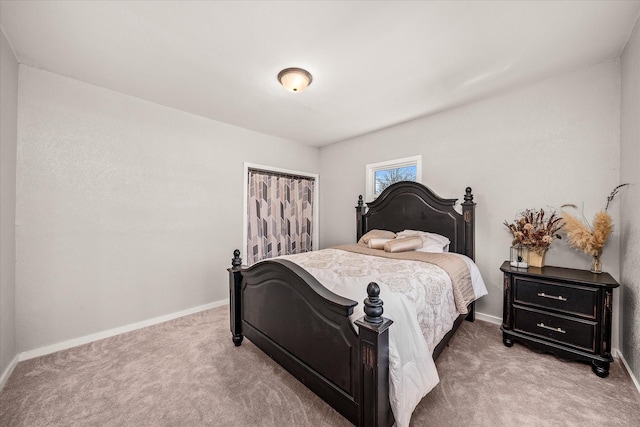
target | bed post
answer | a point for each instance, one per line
(360, 225)
(471, 315)
(235, 281)
(468, 211)
(374, 407)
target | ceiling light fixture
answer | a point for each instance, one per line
(294, 79)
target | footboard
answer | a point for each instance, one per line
(306, 329)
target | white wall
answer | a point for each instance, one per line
(126, 210)
(630, 200)
(8, 142)
(546, 144)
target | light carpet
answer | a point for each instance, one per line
(187, 372)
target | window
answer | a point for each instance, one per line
(381, 175)
(280, 212)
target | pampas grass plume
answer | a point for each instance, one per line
(588, 240)
(602, 226)
(581, 237)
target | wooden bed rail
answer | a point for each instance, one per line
(307, 329)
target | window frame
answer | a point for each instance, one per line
(372, 168)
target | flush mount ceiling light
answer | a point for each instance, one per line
(295, 79)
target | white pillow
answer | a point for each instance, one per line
(431, 242)
(433, 247)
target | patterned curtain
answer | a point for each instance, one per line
(280, 214)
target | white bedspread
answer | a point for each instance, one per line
(417, 296)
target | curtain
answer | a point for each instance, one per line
(280, 214)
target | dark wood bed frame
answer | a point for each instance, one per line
(305, 328)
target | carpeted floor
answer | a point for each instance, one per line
(187, 372)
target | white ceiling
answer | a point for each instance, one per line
(374, 64)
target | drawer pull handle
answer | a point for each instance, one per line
(559, 297)
(542, 325)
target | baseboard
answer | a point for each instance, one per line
(30, 354)
(620, 356)
(7, 372)
(489, 318)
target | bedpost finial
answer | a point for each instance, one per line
(468, 197)
(373, 304)
(373, 290)
(360, 201)
(236, 261)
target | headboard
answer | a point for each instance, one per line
(413, 206)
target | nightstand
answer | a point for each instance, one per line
(562, 311)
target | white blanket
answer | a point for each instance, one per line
(417, 296)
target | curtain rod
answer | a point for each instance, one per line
(281, 174)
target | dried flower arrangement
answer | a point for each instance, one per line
(590, 239)
(535, 229)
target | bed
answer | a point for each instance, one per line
(309, 330)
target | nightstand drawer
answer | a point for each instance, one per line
(562, 329)
(578, 300)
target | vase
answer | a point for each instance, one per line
(596, 264)
(536, 259)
